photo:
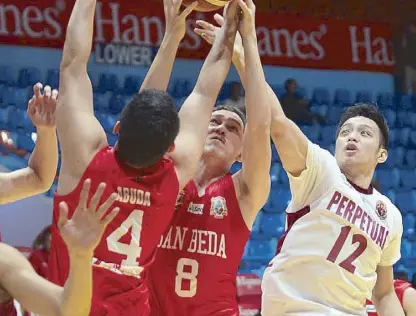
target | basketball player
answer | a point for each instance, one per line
(195, 269)
(146, 167)
(407, 297)
(38, 176)
(343, 236)
(81, 234)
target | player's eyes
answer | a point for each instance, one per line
(214, 121)
(344, 132)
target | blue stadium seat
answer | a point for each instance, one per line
(111, 138)
(342, 97)
(391, 117)
(180, 88)
(328, 134)
(271, 225)
(4, 117)
(393, 138)
(322, 109)
(275, 170)
(132, 84)
(263, 249)
(275, 156)
(235, 167)
(18, 119)
(410, 159)
(406, 201)
(364, 96)
(389, 178)
(406, 248)
(385, 100)
(28, 77)
(22, 96)
(391, 194)
(413, 139)
(404, 101)
(7, 75)
(404, 136)
(396, 157)
(25, 142)
(8, 96)
(257, 221)
(411, 119)
(225, 91)
(279, 198)
(117, 103)
(321, 96)
(52, 78)
(283, 178)
(107, 82)
(107, 121)
(408, 179)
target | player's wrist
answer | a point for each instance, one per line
(80, 255)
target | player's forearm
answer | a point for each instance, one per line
(161, 69)
(77, 293)
(388, 304)
(217, 64)
(257, 100)
(44, 159)
(79, 35)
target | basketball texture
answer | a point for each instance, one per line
(207, 5)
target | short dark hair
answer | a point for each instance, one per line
(232, 108)
(149, 125)
(371, 112)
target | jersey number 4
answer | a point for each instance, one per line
(348, 263)
(133, 249)
(186, 270)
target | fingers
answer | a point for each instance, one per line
(63, 214)
(188, 10)
(31, 106)
(219, 19)
(97, 197)
(37, 90)
(243, 6)
(205, 25)
(55, 94)
(106, 205)
(83, 198)
(47, 92)
(206, 35)
(110, 216)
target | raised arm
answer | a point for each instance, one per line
(196, 111)
(81, 234)
(253, 181)
(159, 73)
(40, 173)
(78, 130)
(291, 143)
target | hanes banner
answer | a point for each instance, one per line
(126, 31)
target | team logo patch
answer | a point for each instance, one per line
(218, 207)
(381, 210)
(196, 208)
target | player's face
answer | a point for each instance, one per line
(358, 145)
(225, 135)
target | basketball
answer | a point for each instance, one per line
(207, 5)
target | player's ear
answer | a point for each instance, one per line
(382, 155)
(171, 148)
(116, 128)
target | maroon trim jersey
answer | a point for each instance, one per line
(146, 198)
(196, 264)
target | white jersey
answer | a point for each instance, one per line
(336, 236)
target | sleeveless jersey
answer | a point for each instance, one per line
(8, 309)
(196, 264)
(146, 199)
(400, 287)
(336, 236)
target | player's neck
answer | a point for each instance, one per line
(360, 179)
(207, 171)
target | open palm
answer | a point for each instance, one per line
(42, 107)
(84, 230)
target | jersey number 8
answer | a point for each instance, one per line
(186, 270)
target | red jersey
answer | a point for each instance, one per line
(196, 264)
(399, 286)
(8, 309)
(146, 198)
(39, 261)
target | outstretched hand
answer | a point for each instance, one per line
(209, 32)
(84, 230)
(42, 107)
(176, 20)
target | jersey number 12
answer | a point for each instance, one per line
(348, 263)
